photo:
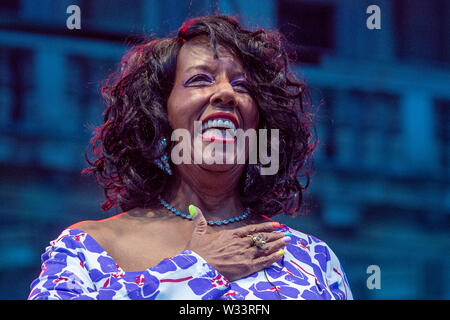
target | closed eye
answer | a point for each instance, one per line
(199, 79)
(241, 85)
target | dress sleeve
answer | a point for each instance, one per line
(68, 274)
(336, 278)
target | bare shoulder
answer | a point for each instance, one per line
(116, 228)
(99, 229)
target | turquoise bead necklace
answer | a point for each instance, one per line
(210, 222)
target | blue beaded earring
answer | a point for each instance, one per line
(162, 162)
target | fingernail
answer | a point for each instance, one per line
(280, 252)
(192, 210)
(288, 234)
(275, 224)
(287, 239)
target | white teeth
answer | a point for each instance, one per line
(219, 123)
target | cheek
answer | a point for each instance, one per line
(251, 114)
(183, 108)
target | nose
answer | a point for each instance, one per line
(224, 96)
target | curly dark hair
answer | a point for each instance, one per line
(135, 118)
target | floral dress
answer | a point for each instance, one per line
(75, 266)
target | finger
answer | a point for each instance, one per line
(267, 260)
(273, 236)
(255, 228)
(198, 219)
(267, 236)
(272, 247)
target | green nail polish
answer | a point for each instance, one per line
(192, 210)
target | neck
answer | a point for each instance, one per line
(215, 193)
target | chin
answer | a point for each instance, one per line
(226, 163)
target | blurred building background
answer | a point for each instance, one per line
(380, 192)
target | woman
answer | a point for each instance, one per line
(197, 229)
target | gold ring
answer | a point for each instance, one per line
(258, 240)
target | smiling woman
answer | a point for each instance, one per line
(210, 86)
(197, 230)
(163, 71)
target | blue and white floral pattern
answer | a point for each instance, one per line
(75, 266)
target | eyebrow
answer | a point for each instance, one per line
(202, 67)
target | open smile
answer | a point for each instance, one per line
(220, 127)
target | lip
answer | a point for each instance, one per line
(224, 115)
(222, 140)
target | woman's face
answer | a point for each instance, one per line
(214, 92)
